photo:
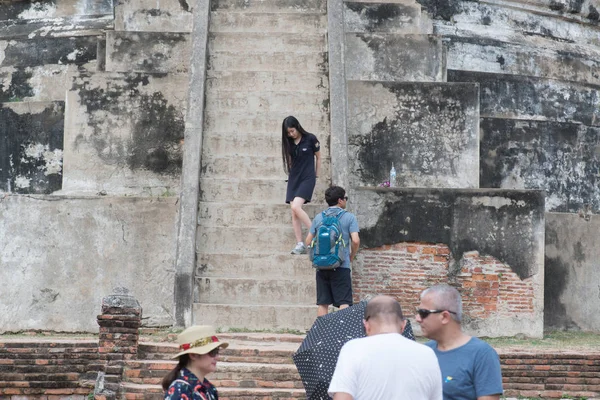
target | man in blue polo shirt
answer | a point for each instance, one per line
(470, 367)
(335, 286)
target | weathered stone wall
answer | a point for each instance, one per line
(92, 114)
(62, 255)
(536, 64)
(487, 243)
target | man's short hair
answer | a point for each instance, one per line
(446, 297)
(333, 194)
(384, 308)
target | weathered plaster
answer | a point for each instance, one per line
(152, 52)
(31, 147)
(124, 134)
(524, 97)
(572, 294)
(67, 50)
(394, 57)
(61, 255)
(560, 158)
(428, 130)
(156, 16)
(362, 17)
(505, 224)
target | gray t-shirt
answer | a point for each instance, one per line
(469, 371)
(349, 225)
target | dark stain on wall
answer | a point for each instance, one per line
(19, 86)
(21, 133)
(556, 277)
(441, 9)
(184, 5)
(157, 132)
(560, 158)
(427, 136)
(525, 97)
(11, 10)
(500, 223)
(41, 51)
(594, 15)
(128, 46)
(377, 16)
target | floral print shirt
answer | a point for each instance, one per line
(188, 387)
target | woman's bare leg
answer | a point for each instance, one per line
(299, 217)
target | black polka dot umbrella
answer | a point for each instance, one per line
(317, 356)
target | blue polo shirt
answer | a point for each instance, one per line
(348, 224)
(469, 371)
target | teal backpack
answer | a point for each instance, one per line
(327, 247)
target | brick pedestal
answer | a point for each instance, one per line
(118, 341)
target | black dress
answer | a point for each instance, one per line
(302, 178)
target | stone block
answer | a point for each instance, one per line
(560, 158)
(32, 10)
(152, 52)
(524, 97)
(394, 57)
(430, 131)
(360, 17)
(39, 84)
(281, 6)
(572, 294)
(57, 27)
(75, 251)
(156, 16)
(124, 133)
(42, 51)
(564, 63)
(31, 147)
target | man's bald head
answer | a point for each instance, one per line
(384, 309)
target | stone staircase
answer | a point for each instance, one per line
(267, 60)
(253, 367)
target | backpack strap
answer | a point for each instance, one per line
(339, 214)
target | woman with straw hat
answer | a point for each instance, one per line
(199, 349)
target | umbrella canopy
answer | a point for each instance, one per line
(317, 356)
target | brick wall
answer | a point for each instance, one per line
(48, 369)
(489, 288)
(549, 375)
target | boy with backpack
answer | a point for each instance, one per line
(333, 240)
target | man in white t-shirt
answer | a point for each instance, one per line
(385, 365)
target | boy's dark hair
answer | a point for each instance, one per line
(333, 194)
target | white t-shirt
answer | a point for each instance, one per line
(387, 367)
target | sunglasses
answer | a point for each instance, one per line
(423, 313)
(346, 198)
(214, 353)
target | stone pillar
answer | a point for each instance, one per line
(118, 340)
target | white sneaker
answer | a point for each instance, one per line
(299, 249)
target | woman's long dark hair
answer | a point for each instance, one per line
(286, 142)
(174, 373)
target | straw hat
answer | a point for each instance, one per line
(199, 339)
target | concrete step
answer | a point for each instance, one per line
(226, 21)
(257, 266)
(268, 81)
(229, 122)
(251, 143)
(248, 166)
(267, 101)
(228, 374)
(133, 391)
(223, 214)
(239, 316)
(279, 6)
(264, 191)
(218, 290)
(245, 240)
(276, 61)
(247, 42)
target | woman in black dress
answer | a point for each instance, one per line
(301, 161)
